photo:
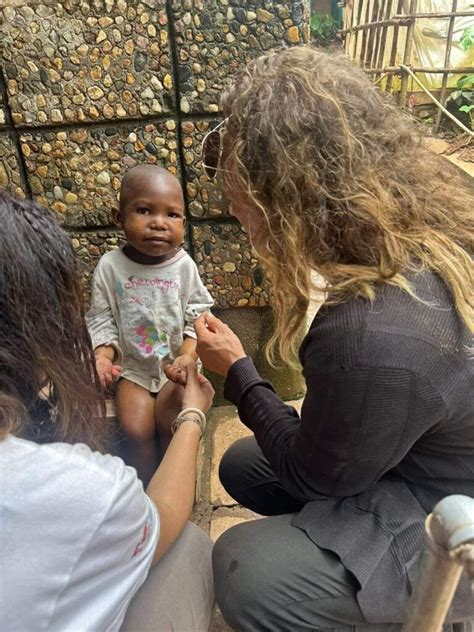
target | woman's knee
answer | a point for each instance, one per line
(269, 575)
(237, 464)
(235, 580)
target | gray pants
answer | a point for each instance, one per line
(178, 594)
(269, 576)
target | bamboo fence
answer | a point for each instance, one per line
(379, 35)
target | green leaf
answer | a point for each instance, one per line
(465, 80)
(466, 108)
(315, 22)
(467, 38)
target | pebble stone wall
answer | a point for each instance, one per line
(91, 88)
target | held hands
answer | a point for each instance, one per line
(217, 345)
(106, 370)
(198, 392)
(177, 371)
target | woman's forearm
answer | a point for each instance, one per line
(172, 487)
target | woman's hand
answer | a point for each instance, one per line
(177, 370)
(217, 345)
(198, 392)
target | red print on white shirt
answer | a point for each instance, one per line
(144, 538)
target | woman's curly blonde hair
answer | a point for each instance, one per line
(343, 187)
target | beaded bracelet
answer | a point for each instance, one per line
(184, 415)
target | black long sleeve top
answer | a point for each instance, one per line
(386, 430)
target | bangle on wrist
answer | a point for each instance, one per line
(190, 414)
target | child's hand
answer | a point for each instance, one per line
(106, 370)
(177, 371)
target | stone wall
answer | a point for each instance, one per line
(91, 88)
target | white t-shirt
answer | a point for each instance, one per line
(77, 537)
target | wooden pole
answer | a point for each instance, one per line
(381, 54)
(393, 52)
(405, 19)
(378, 33)
(370, 44)
(364, 35)
(464, 70)
(407, 54)
(444, 83)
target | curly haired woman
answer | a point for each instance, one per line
(327, 176)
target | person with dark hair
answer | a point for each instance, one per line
(329, 179)
(78, 533)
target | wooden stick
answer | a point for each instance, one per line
(421, 16)
(370, 44)
(364, 35)
(357, 20)
(378, 33)
(444, 82)
(448, 114)
(390, 22)
(393, 52)
(381, 55)
(407, 55)
(406, 19)
(465, 70)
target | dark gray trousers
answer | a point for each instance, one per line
(268, 575)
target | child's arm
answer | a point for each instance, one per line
(103, 331)
(188, 348)
(107, 371)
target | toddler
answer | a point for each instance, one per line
(145, 299)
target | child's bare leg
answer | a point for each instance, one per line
(167, 406)
(136, 415)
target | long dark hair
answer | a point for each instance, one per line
(49, 388)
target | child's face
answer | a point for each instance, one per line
(152, 215)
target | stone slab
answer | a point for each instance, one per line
(10, 178)
(205, 197)
(77, 172)
(214, 39)
(227, 267)
(77, 60)
(228, 429)
(222, 520)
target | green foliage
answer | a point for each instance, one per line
(324, 28)
(463, 96)
(467, 38)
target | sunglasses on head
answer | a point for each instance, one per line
(212, 147)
